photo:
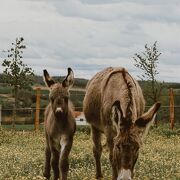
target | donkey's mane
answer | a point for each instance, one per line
(129, 87)
(128, 95)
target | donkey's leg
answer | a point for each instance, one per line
(55, 162)
(66, 144)
(111, 146)
(47, 166)
(97, 150)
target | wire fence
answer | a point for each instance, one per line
(27, 115)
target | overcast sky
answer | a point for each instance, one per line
(89, 35)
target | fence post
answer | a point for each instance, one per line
(0, 114)
(38, 94)
(171, 108)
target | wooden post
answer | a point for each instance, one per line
(171, 108)
(0, 114)
(38, 94)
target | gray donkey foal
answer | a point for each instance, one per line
(59, 126)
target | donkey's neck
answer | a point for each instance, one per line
(61, 118)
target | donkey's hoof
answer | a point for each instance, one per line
(99, 177)
(46, 175)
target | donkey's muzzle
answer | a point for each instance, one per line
(59, 110)
(125, 174)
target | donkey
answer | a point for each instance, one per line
(114, 105)
(59, 126)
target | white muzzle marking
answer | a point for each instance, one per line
(124, 174)
(59, 109)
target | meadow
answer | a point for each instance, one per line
(22, 156)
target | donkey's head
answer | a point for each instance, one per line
(59, 92)
(129, 138)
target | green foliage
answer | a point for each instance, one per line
(148, 62)
(80, 83)
(77, 99)
(5, 103)
(5, 90)
(24, 98)
(17, 74)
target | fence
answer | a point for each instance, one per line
(27, 115)
(35, 115)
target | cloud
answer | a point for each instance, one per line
(89, 35)
(119, 10)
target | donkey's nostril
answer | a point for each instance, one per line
(59, 109)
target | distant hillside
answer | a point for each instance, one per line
(79, 82)
(167, 85)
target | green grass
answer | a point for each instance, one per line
(21, 127)
(5, 90)
(22, 155)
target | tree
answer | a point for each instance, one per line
(17, 74)
(148, 62)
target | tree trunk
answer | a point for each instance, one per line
(15, 106)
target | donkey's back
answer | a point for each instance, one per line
(104, 89)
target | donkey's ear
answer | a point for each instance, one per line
(147, 119)
(116, 114)
(69, 80)
(47, 79)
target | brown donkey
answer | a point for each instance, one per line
(59, 126)
(114, 105)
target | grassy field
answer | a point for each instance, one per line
(22, 156)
